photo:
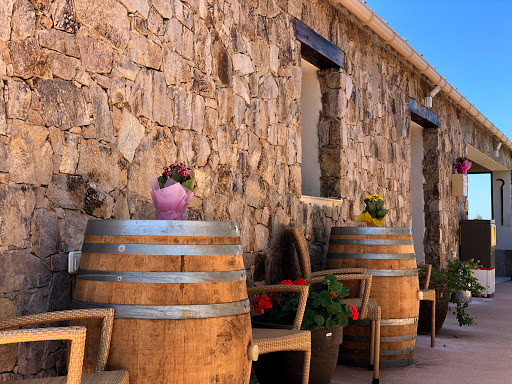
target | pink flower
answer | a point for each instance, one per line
(184, 172)
(485, 294)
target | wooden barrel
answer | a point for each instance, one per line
(179, 293)
(388, 253)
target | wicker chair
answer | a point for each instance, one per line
(301, 246)
(429, 295)
(366, 306)
(295, 339)
(77, 337)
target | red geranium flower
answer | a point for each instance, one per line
(355, 314)
(261, 303)
(300, 281)
(334, 295)
(286, 282)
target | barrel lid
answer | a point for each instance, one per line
(370, 231)
(163, 228)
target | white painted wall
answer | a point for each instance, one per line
(503, 232)
(418, 201)
(311, 103)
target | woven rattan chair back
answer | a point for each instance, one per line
(301, 246)
(295, 339)
(76, 335)
(105, 314)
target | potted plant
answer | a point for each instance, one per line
(374, 212)
(325, 316)
(462, 165)
(456, 276)
(172, 192)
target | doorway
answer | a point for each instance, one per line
(417, 197)
(480, 196)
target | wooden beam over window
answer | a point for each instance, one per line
(422, 115)
(317, 50)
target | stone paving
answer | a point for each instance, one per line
(475, 354)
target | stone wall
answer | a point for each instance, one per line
(97, 95)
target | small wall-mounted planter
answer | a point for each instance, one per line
(460, 184)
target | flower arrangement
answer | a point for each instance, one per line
(462, 165)
(456, 276)
(323, 308)
(172, 192)
(374, 211)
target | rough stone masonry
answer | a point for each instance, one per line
(97, 95)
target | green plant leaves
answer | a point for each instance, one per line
(330, 323)
(319, 320)
(190, 184)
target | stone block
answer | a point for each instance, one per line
(143, 51)
(242, 63)
(130, 135)
(63, 66)
(107, 19)
(137, 6)
(59, 41)
(102, 114)
(45, 233)
(23, 20)
(126, 67)
(21, 270)
(96, 57)
(241, 88)
(5, 19)
(30, 159)
(255, 192)
(28, 59)
(187, 44)
(222, 65)
(268, 87)
(60, 297)
(121, 210)
(67, 191)
(64, 18)
(261, 237)
(174, 33)
(72, 229)
(164, 8)
(155, 150)
(202, 44)
(59, 262)
(18, 99)
(149, 97)
(62, 102)
(102, 164)
(70, 156)
(198, 113)
(30, 358)
(98, 203)
(155, 22)
(16, 204)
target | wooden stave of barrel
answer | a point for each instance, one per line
(179, 291)
(388, 253)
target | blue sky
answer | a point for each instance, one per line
(470, 44)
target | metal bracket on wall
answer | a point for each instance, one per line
(74, 262)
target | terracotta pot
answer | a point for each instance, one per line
(425, 316)
(286, 367)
